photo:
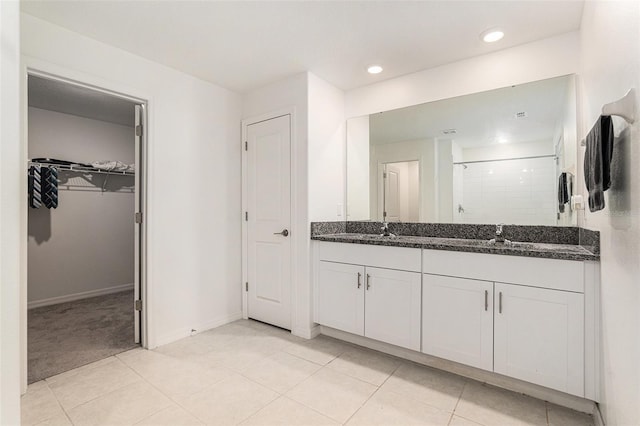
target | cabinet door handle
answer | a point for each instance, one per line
(500, 302)
(368, 281)
(359, 280)
(486, 300)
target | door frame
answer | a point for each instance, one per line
(381, 198)
(294, 225)
(44, 69)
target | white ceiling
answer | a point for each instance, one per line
(244, 45)
(480, 119)
(68, 98)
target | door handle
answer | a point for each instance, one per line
(500, 302)
(359, 282)
(368, 279)
(284, 233)
(486, 300)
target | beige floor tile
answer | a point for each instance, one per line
(461, 421)
(236, 358)
(389, 408)
(171, 416)
(125, 406)
(286, 412)
(184, 349)
(430, 386)
(281, 371)
(364, 364)
(59, 420)
(88, 384)
(173, 377)
(333, 394)
(229, 402)
(39, 404)
(321, 350)
(70, 373)
(561, 416)
(493, 406)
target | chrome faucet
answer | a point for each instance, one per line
(499, 234)
(385, 230)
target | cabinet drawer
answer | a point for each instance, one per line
(402, 258)
(530, 271)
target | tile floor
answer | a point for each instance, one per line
(252, 374)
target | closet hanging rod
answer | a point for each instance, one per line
(82, 169)
(624, 107)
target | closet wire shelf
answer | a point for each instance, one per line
(83, 169)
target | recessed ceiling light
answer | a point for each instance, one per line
(502, 140)
(492, 35)
(374, 69)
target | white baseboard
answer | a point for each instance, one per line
(197, 328)
(79, 296)
(306, 333)
(515, 385)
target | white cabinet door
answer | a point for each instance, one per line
(340, 297)
(539, 336)
(457, 320)
(392, 307)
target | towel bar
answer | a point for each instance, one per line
(624, 107)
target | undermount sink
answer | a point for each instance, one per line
(508, 243)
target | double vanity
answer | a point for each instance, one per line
(524, 309)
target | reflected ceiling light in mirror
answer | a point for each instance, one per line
(492, 35)
(374, 69)
(502, 140)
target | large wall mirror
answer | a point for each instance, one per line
(502, 156)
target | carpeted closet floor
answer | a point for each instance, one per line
(69, 335)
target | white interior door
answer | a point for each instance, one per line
(137, 253)
(269, 220)
(392, 193)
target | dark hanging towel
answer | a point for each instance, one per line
(50, 187)
(597, 161)
(35, 187)
(563, 192)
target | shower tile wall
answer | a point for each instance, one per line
(511, 191)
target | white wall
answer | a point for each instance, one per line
(293, 93)
(11, 195)
(194, 179)
(610, 65)
(327, 151)
(538, 60)
(358, 168)
(85, 247)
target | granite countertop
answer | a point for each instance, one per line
(528, 249)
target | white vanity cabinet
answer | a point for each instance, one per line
(539, 336)
(392, 307)
(531, 319)
(532, 328)
(358, 296)
(340, 297)
(457, 320)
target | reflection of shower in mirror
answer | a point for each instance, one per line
(494, 142)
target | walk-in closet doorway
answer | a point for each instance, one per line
(85, 242)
